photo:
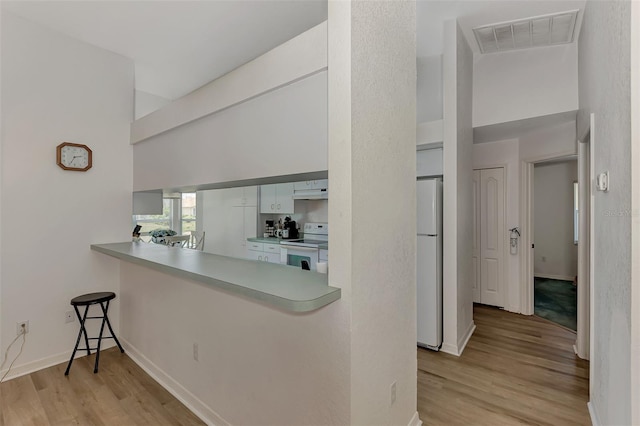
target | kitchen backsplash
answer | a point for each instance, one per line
(305, 211)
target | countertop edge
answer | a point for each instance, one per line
(294, 306)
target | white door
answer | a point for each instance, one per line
(476, 236)
(492, 247)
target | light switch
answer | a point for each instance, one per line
(602, 182)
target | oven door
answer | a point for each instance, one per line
(294, 255)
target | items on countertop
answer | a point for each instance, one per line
(286, 230)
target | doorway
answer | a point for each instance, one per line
(555, 236)
(527, 259)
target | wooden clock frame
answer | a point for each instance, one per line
(74, 169)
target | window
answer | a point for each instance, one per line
(188, 212)
(178, 214)
(149, 222)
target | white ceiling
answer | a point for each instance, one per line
(180, 45)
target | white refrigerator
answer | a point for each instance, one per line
(429, 263)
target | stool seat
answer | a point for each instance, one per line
(93, 298)
(86, 300)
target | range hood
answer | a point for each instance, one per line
(311, 194)
(311, 190)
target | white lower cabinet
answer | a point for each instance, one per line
(323, 255)
(263, 251)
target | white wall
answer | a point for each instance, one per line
(146, 103)
(429, 88)
(279, 133)
(604, 64)
(300, 57)
(458, 200)
(534, 145)
(372, 171)
(556, 256)
(257, 365)
(58, 89)
(526, 83)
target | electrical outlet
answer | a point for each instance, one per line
(20, 326)
(393, 393)
(195, 351)
(68, 316)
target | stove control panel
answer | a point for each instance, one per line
(316, 228)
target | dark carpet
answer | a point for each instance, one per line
(556, 301)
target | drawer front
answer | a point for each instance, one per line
(255, 255)
(251, 245)
(272, 248)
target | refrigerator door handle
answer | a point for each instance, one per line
(432, 235)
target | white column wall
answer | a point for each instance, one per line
(57, 89)
(604, 64)
(372, 131)
(457, 186)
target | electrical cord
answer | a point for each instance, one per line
(6, 353)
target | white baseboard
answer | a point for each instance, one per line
(449, 348)
(41, 364)
(415, 420)
(199, 408)
(592, 413)
(554, 277)
(462, 342)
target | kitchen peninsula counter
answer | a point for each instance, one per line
(280, 286)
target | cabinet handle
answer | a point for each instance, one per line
(278, 206)
(259, 257)
(266, 259)
(273, 206)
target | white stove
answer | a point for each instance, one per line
(296, 252)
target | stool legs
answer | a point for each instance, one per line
(104, 310)
(83, 331)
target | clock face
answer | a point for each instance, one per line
(74, 156)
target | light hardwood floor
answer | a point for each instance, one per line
(120, 394)
(515, 370)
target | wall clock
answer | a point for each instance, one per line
(74, 156)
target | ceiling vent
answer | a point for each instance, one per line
(546, 30)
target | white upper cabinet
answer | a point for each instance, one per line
(276, 198)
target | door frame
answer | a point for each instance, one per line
(526, 219)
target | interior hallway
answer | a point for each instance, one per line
(516, 369)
